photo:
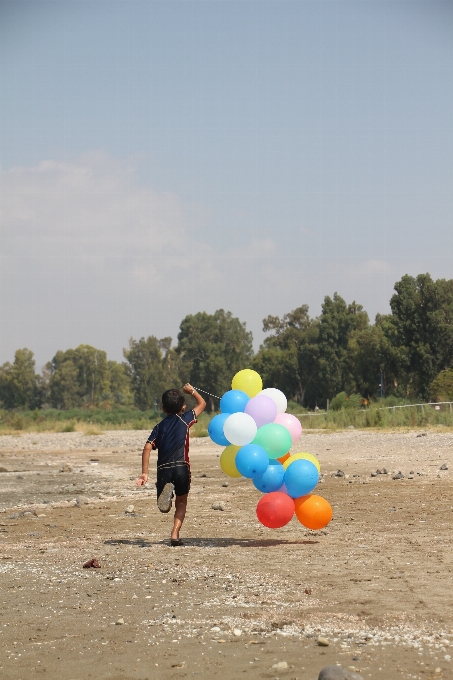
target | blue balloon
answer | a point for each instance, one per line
(252, 461)
(234, 401)
(215, 429)
(300, 478)
(272, 479)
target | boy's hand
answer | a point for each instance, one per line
(188, 389)
(141, 481)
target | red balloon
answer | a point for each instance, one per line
(275, 509)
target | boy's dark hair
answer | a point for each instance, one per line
(172, 401)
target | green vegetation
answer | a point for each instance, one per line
(379, 417)
(338, 357)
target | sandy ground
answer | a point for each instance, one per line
(237, 598)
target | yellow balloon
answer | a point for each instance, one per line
(247, 381)
(302, 456)
(227, 461)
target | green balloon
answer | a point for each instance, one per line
(274, 438)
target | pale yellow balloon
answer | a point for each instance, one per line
(227, 461)
(302, 456)
(247, 381)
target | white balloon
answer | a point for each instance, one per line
(278, 397)
(240, 429)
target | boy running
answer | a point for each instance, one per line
(171, 439)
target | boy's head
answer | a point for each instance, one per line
(172, 401)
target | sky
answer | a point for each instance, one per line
(161, 158)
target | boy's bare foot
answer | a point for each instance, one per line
(164, 500)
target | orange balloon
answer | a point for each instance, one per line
(313, 511)
(283, 458)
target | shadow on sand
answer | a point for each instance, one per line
(211, 542)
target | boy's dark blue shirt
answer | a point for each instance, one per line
(171, 438)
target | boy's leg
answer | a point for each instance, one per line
(180, 513)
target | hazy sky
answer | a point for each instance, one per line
(164, 158)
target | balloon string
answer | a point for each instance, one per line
(204, 392)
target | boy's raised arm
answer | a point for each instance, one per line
(201, 404)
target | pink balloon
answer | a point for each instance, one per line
(262, 409)
(291, 423)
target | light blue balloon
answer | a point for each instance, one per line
(234, 401)
(272, 479)
(300, 478)
(252, 461)
(215, 429)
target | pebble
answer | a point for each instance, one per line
(237, 632)
(129, 510)
(225, 484)
(444, 467)
(322, 642)
(337, 673)
(339, 473)
(120, 622)
(280, 666)
(215, 629)
(218, 505)
(81, 500)
(399, 475)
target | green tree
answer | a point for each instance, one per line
(78, 377)
(153, 368)
(119, 383)
(421, 331)
(213, 347)
(18, 381)
(288, 358)
(336, 323)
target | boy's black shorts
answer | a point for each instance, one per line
(178, 475)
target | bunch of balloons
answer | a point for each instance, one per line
(258, 433)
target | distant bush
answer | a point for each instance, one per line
(441, 388)
(342, 400)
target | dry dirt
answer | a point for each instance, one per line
(237, 598)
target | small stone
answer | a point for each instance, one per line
(375, 474)
(399, 475)
(322, 642)
(120, 622)
(412, 472)
(129, 510)
(237, 632)
(218, 505)
(215, 629)
(65, 468)
(384, 471)
(438, 670)
(280, 666)
(225, 484)
(81, 500)
(444, 467)
(203, 475)
(339, 473)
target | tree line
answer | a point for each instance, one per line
(407, 353)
